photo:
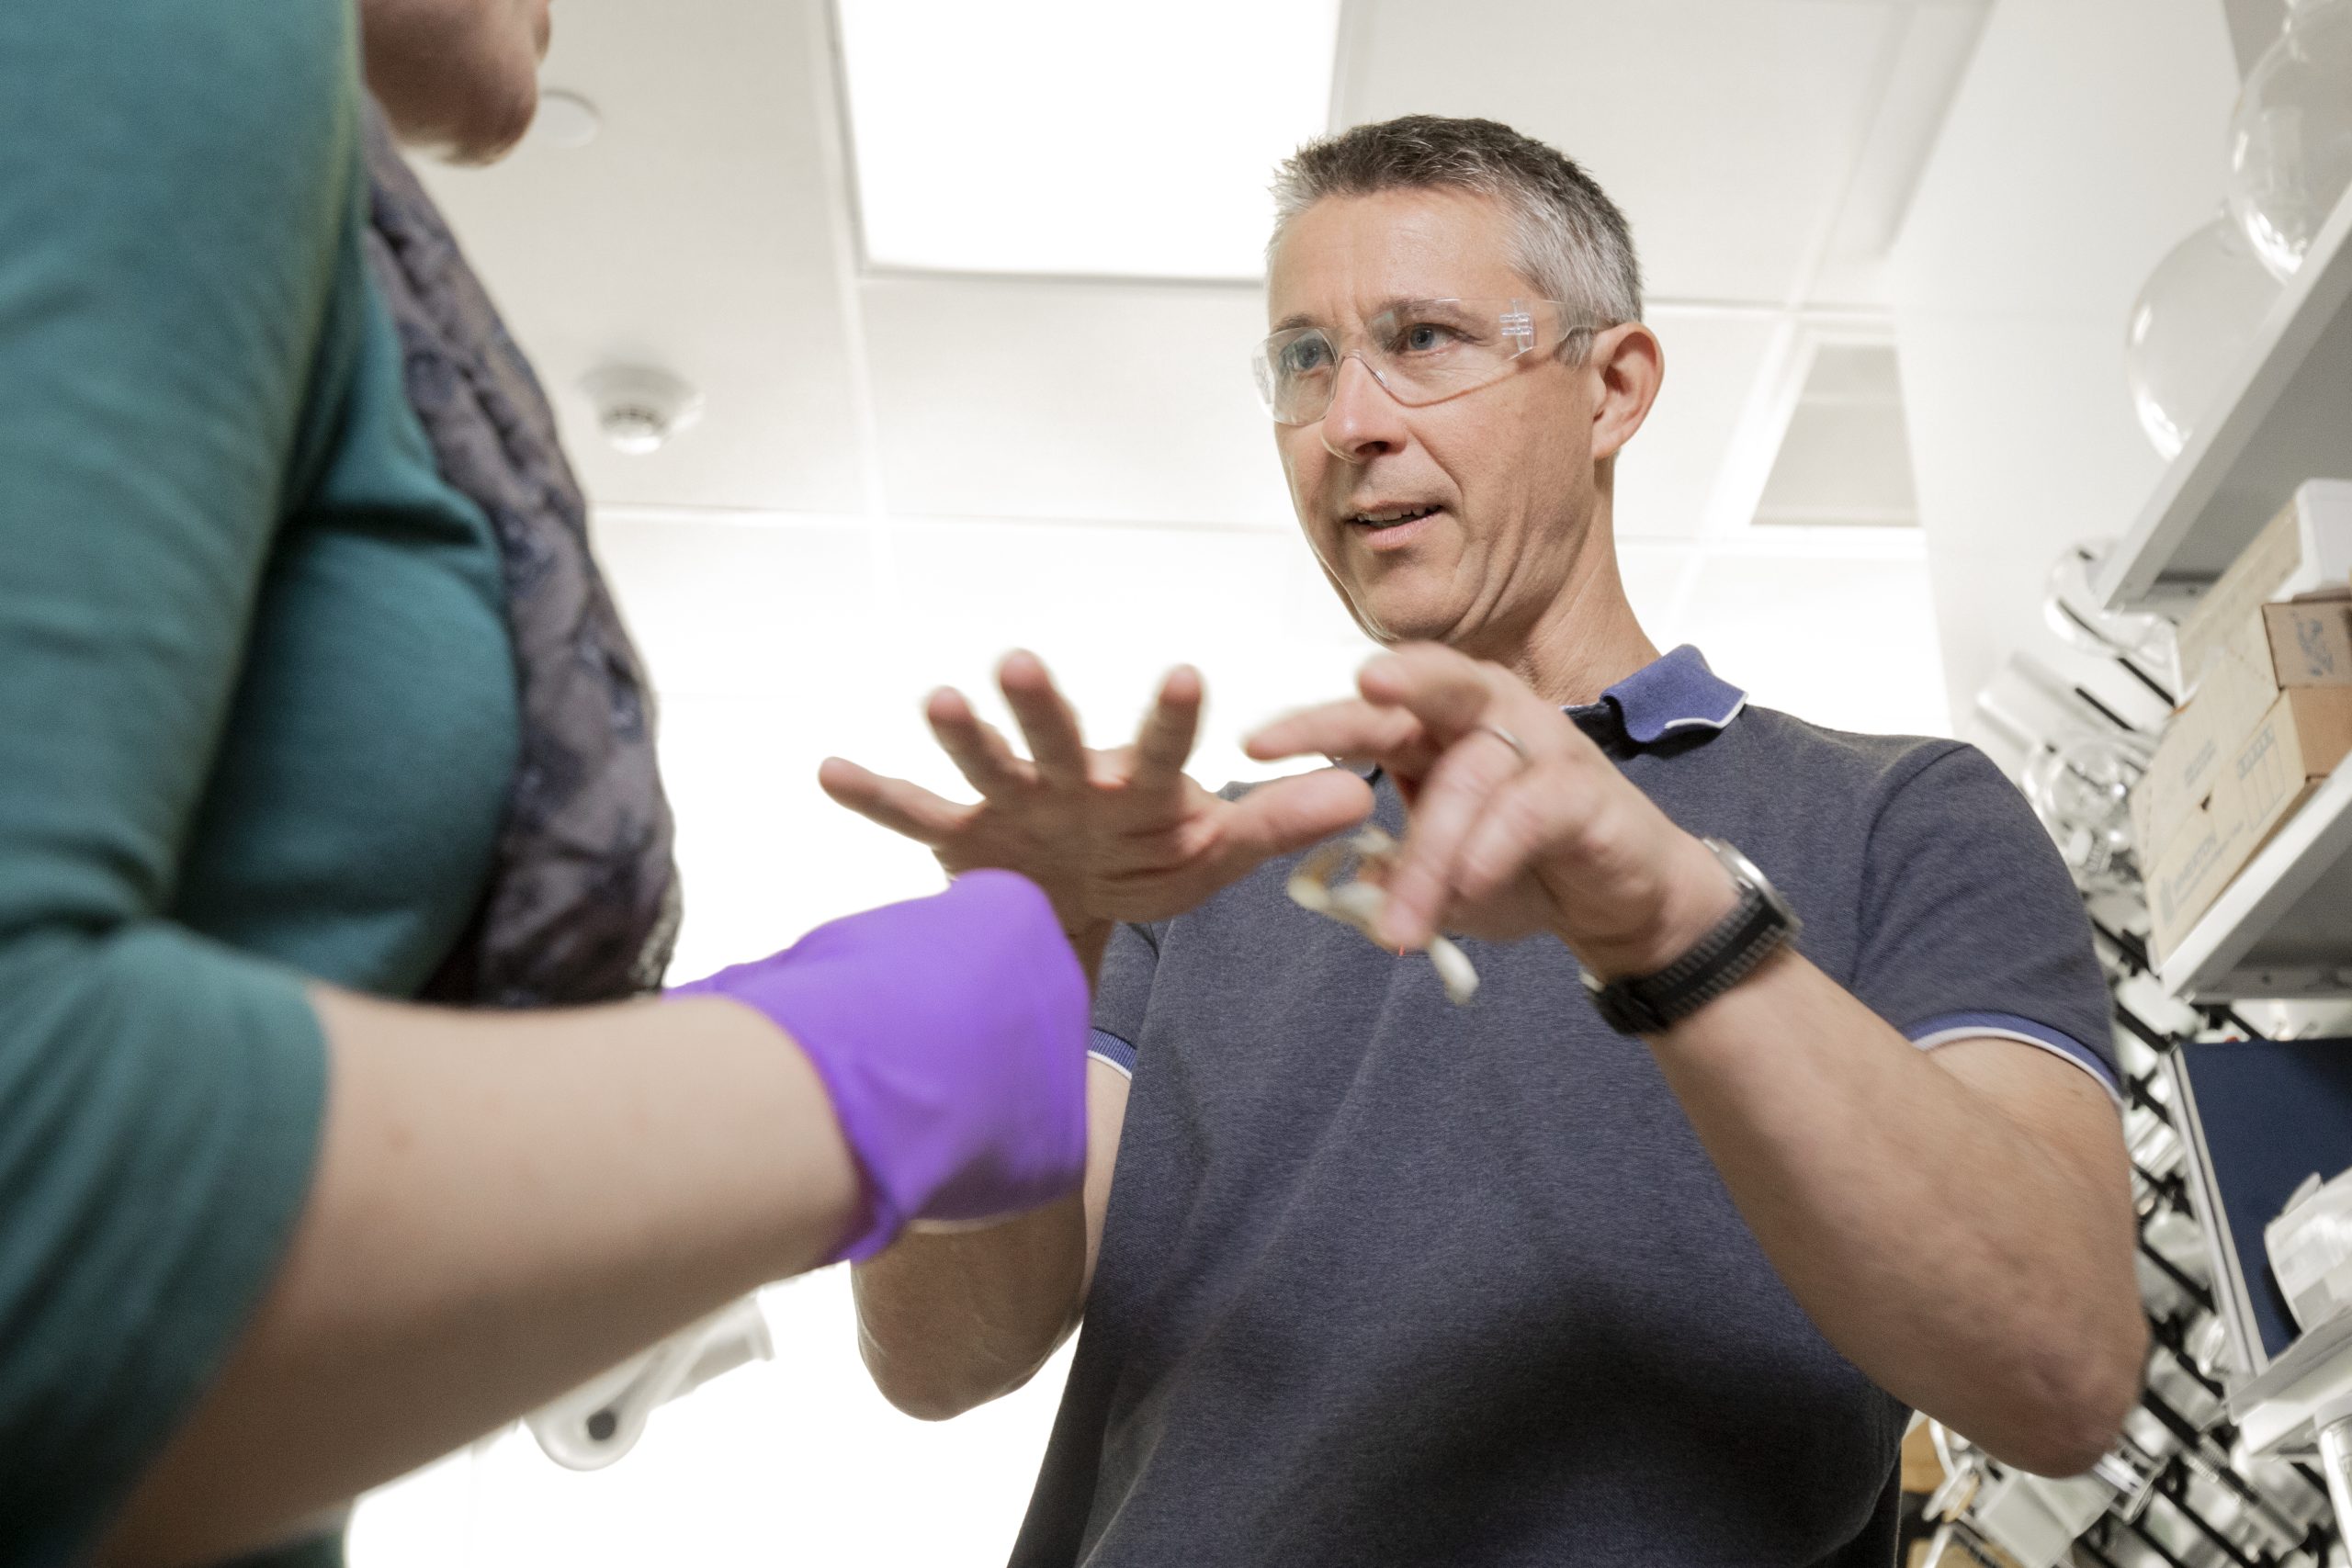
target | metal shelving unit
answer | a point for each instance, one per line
(2282, 930)
(2288, 418)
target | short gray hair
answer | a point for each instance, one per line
(1568, 237)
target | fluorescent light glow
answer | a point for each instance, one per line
(1072, 136)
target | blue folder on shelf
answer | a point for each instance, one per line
(2258, 1116)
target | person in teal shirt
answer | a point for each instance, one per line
(270, 1234)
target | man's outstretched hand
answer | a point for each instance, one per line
(1110, 835)
(1518, 822)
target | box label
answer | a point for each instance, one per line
(2306, 734)
(2238, 691)
(2310, 641)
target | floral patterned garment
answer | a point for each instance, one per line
(581, 905)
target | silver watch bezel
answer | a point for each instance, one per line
(1747, 871)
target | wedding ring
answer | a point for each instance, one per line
(1507, 738)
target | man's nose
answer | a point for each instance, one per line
(1363, 422)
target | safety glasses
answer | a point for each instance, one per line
(1422, 351)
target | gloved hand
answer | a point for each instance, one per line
(950, 1034)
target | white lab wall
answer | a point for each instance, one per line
(2087, 138)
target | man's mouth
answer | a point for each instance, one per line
(1390, 517)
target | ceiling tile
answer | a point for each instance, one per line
(742, 607)
(695, 232)
(1111, 610)
(1725, 129)
(1666, 476)
(1091, 401)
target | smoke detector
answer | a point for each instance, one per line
(640, 408)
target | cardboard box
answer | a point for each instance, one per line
(2311, 640)
(2238, 691)
(2299, 742)
(2307, 546)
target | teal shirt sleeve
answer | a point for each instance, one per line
(176, 181)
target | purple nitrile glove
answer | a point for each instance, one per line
(950, 1033)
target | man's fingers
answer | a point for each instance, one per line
(1046, 721)
(903, 807)
(1289, 814)
(1453, 797)
(1522, 820)
(1165, 742)
(1449, 692)
(979, 751)
(1351, 729)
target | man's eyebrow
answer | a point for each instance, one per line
(1393, 302)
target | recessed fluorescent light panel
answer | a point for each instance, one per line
(1079, 136)
(1844, 458)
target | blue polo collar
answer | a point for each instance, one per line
(1674, 695)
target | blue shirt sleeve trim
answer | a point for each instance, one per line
(1954, 1026)
(1112, 1052)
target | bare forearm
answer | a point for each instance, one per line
(952, 1320)
(1976, 1265)
(502, 1208)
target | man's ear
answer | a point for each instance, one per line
(1627, 363)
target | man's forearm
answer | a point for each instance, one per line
(1973, 1257)
(947, 1321)
(950, 1319)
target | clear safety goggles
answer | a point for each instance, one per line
(1422, 351)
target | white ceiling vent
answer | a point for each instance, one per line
(1846, 459)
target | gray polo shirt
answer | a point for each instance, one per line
(1389, 1281)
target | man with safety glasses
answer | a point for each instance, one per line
(1786, 1097)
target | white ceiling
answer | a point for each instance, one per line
(1090, 403)
(699, 231)
(1763, 148)
(1729, 130)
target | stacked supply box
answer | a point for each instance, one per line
(2268, 653)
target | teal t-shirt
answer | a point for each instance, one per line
(256, 699)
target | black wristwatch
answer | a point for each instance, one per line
(1760, 925)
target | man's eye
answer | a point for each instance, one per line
(1305, 356)
(1426, 337)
